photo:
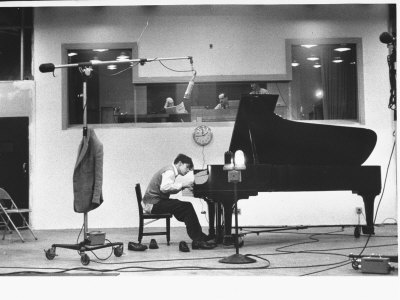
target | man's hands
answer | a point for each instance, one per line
(188, 185)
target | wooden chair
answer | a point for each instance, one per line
(153, 217)
(8, 208)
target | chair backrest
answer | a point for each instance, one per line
(139, 198)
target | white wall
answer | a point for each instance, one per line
(247, 40)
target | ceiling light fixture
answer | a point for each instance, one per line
(122, 56)
(112, 67)
(308, 46)
(295, 63)
(312, 58)
(95, 60)
(72, 54)
(100, 50)
(337, 60)
(317, 65)
(342, 48)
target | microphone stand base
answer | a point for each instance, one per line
(237, 259)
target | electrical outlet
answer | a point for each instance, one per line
(358, 210)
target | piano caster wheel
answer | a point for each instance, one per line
(357, 231)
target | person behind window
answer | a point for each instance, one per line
(256, 89)
(169, 102)
(157, 200)
(223, 102)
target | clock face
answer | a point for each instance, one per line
(202, 135)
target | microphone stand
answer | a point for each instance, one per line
(235, 176)
(86, 69)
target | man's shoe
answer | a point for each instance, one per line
(202, 245)
(209, 237)
(229, 240)
(183, 247)
(153, 244)
(136, 246)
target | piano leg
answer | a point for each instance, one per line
(211, 217)
(369, 213)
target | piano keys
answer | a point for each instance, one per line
(283, 155)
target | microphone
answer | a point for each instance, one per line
(45, 68)
(189, 88)
(386, 38)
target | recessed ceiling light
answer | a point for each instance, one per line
(313, 58)
(95, 60)
(337, 60)
(342, 49)
(295, 64)
(309, 46)
(123, 56)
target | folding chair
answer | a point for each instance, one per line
(154, 217)
(8, 208)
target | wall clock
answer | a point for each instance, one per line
(202, 135)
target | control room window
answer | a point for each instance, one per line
(325, 81)
(16, 43)
(110, 91)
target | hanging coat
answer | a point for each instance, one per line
(88, 174)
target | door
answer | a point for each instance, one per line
(14, 158)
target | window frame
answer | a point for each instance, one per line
(64, 71)
(360, 75)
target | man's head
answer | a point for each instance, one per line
(223, 99)
(183, 164)
(255, 86)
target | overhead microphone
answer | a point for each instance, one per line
(386, 38)
(189, 88)
(46, 68)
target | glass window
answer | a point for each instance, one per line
(325, 81)
(15, 30)
(110, 91)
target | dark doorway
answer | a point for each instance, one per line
(14, 158)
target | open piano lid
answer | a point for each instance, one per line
(266, 138)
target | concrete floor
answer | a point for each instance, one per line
(319, 254)
(314, 251)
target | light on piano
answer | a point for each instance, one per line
(228, 160)
(240, 163)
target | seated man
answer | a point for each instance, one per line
(157, 200)
(256, 89)
(223, 102)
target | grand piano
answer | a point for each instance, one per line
(283, 155)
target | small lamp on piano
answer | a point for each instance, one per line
(228, 166)
(240, 163)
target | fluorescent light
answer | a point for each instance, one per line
(313, 58)
(100, 50)
(72, 54)
(317, 65)
(95, 60)
(123, 56)
(342, 49)
(112, 67)
(308, 46)
(295, 64)
(337, 60)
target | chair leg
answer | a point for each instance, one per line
(15, 228)
(27, 226)
(168, 230)
(140, 236)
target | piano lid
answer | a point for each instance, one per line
(266, 138)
